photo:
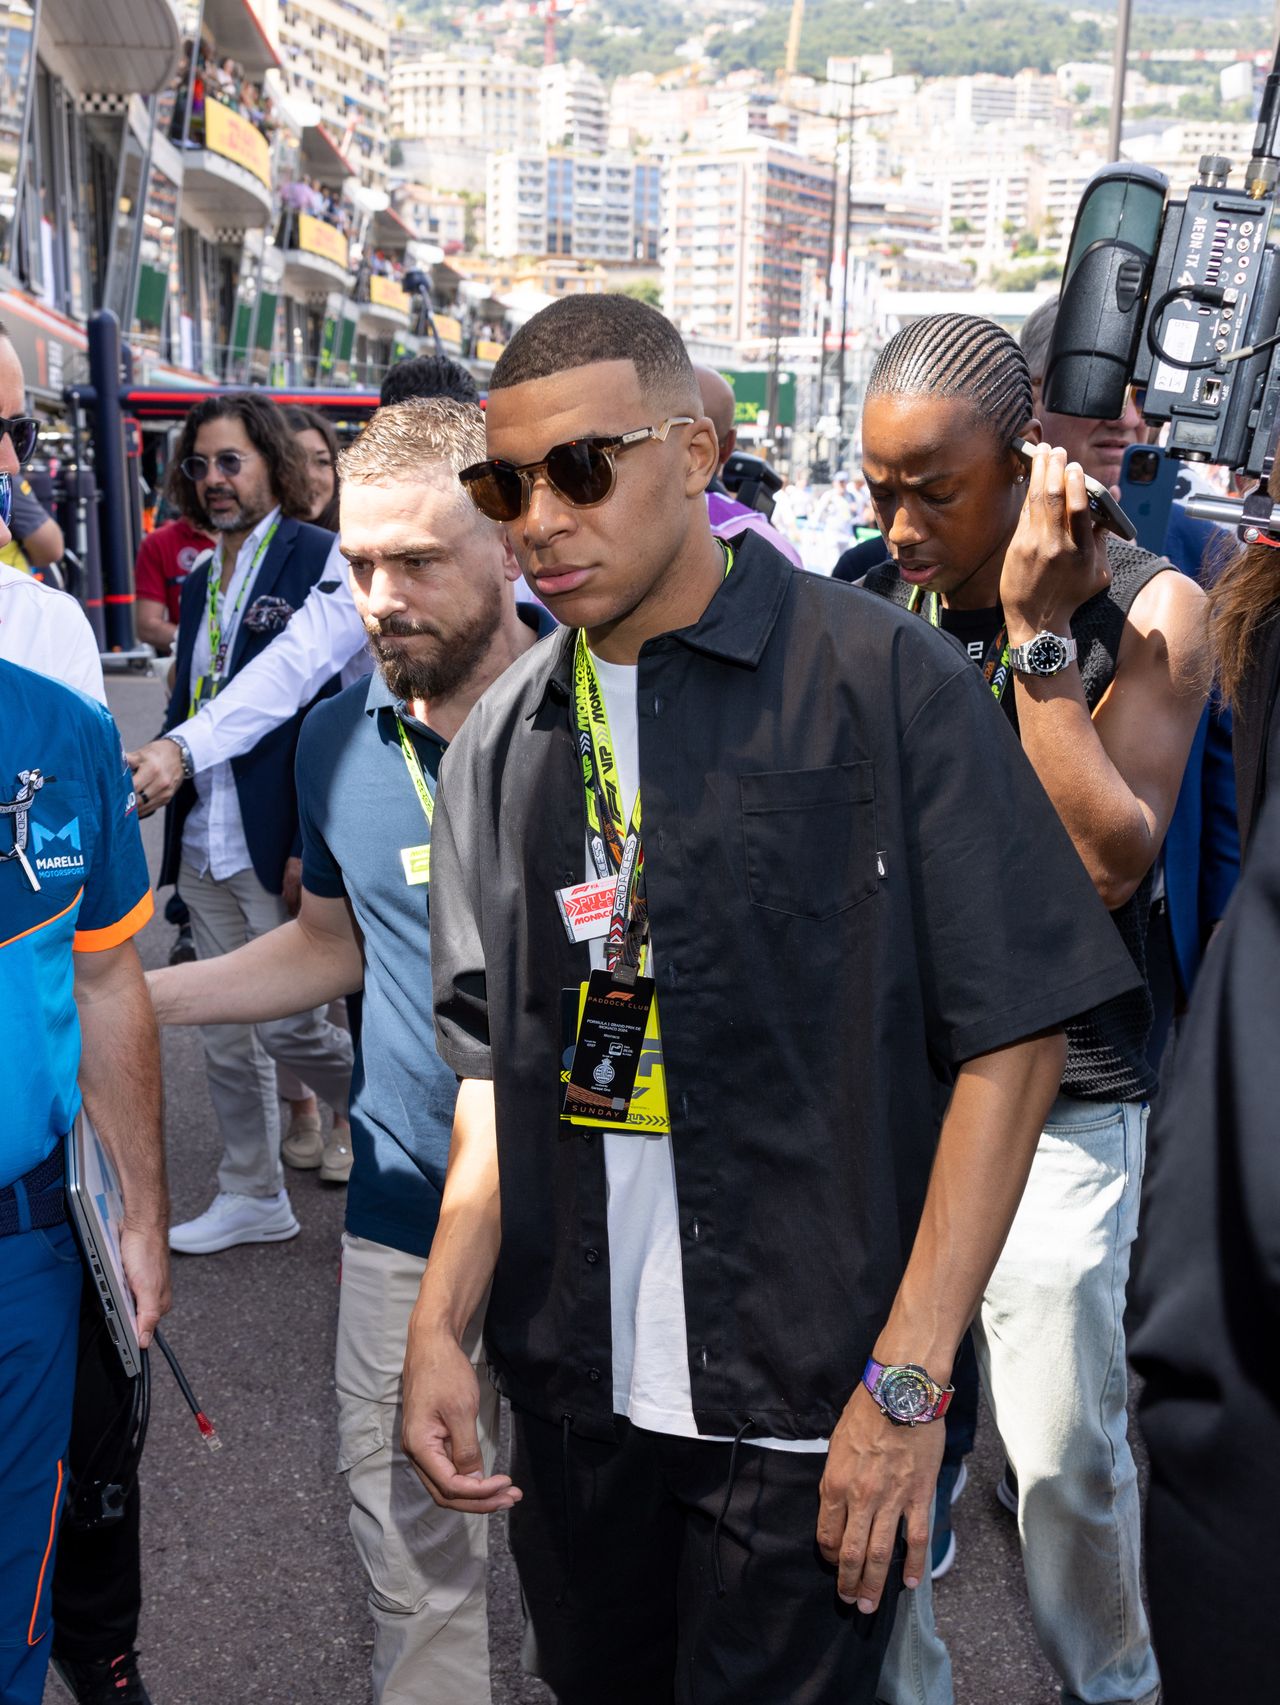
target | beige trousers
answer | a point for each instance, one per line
(426, 1566)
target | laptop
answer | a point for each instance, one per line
(97, 1212)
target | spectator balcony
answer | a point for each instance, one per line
(315, 251)
(384, 304)
(314, 235)
(219, 122)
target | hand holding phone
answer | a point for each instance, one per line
(1102, 506)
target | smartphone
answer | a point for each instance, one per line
(1148, 486)
(1103, 507)
(6, 498)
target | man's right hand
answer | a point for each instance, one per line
(144, 1251)
(157, 774)
(441, 1400)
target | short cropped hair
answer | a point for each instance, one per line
(266, 429)
(960, 356)
(405, 440)
(1036, 336)
(579, 330)
(428, 376)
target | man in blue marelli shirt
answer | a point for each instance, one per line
(433, 581)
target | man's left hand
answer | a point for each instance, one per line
(157, 774)
(878, 1474)
(1057, 558)
(145, 1255)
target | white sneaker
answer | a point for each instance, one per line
(335, 1163)
(303, 1146)
(232, 1219)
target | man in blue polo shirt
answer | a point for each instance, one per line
(434, 586)
(75, 1017)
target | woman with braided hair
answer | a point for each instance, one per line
(1093, 651)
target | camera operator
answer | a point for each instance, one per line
(1093, 652)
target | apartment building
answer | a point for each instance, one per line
(568, 201)
(335, 54)
(746, 232)
(575, 108)
(478, 100)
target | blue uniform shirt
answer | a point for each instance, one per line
(359, 808)
(81, 841)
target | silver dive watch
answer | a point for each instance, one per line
(1044, 654)
(184, 752)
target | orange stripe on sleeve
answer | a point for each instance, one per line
(34, 1639)
(99, 940)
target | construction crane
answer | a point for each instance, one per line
(793, 36)
(549, 35)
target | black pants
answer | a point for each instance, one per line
(97, 1579)
(617, 1547)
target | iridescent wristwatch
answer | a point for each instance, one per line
(905, 1393)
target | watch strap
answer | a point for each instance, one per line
(184, 752)
(875, 1371)
(1018, 655)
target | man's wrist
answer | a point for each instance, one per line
(184, 752)
(1021, 627)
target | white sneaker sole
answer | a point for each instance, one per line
(948, 1558)
(1005, 1496)
(231, 1240)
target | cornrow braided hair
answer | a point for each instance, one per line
(959, 355)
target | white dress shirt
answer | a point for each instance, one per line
(324, 638)
(213, 840)
(46, 631)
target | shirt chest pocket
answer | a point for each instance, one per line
(810, 838)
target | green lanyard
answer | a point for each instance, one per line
(414, 765)
(213, 618)
(996, 670)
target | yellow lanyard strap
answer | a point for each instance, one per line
(414, 765)
(213, 614)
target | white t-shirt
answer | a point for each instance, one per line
(646, 1279)
(46, 631)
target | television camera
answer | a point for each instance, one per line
(1181, 300)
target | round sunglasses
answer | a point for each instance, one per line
(22, 432)
(583, 472)
(227, 462)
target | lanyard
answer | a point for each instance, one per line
(995, 665)
(213, 617)
(414, 765)
(615, 851)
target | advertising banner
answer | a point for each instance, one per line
(226, 133)
(317, 237)
(388, 294)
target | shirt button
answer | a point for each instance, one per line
(593, 1374)
(591, 1257)
(657, 705)
(588, 1136)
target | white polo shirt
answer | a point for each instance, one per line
(46, 631)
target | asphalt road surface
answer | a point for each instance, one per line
(252, 1589)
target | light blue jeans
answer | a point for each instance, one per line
(1050, 1342)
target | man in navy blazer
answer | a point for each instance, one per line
(231, 830)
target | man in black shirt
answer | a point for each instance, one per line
(1094, 652)
(699, 1273)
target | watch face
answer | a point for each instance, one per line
(1046, 654)
(906, 1394)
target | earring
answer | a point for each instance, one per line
(1019, 479)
